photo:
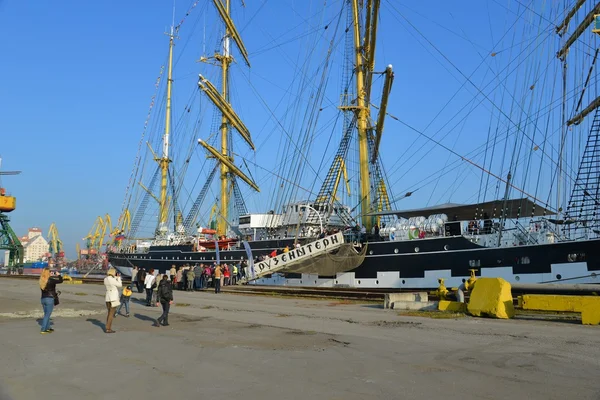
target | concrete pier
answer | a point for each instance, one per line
(230, 346)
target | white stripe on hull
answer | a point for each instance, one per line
(561, 273)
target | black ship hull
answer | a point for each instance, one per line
(407, 264)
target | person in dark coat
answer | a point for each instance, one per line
(165, 298)
(48, 281)
(141, 276)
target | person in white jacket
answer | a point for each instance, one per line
(112, 283)
(149, 284)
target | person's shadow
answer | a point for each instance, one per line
(39, 322)
(97, 322)
(146, 318)
(138, 301)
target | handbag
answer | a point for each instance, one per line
(56, 300)
(115, 303)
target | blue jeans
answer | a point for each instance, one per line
(48, 306)
(125, 301)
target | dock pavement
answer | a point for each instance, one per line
(231, 346)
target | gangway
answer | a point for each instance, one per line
(311, 257)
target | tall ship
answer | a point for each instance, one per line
(533, 178)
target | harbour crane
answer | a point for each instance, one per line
(8, 239)
(56, 254)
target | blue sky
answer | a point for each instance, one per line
(78, 78)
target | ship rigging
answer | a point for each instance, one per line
(518, 224)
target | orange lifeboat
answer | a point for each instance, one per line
(207, 231)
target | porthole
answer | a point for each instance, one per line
(371, 252)
(403, 281)
(377, 282)
(517, 278)
(446, 247)
(558, 276)
(416, 249)
(463, 280)
(396, 251)
(359, 282)
(315, 282)
(300, 281)
(336, 282)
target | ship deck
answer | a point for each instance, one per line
(263, 347)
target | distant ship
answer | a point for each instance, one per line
(519, 236)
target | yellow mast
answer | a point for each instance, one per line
(362, 114)
(164, 161)
(225, 59)
(229, 119)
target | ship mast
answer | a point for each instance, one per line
(228, 115)
(372, 187)
(164, 160)
(362, 115)
(225, 60)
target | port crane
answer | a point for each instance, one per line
(8, 239)
(56, 255)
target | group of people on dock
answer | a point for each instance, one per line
(188, 277)
(114, 298)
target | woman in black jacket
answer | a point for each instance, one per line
(165, 297)
(48, 282)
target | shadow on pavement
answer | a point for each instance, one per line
(145, 318)
(97, 322)
(39, 322)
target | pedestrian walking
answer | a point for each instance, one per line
(48, 281)
(134, 272)
(179, 278)
(234, 274)
(125, 297)
(223, 275)
(155, 289)
(198, 277)
(207, 275)
(172, 273)
(217, 280)
(141, 277)
(190, 279)
(112, 282)
(165, 298)
(226, 275)
(149, 283)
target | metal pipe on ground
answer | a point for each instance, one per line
(552, 288)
